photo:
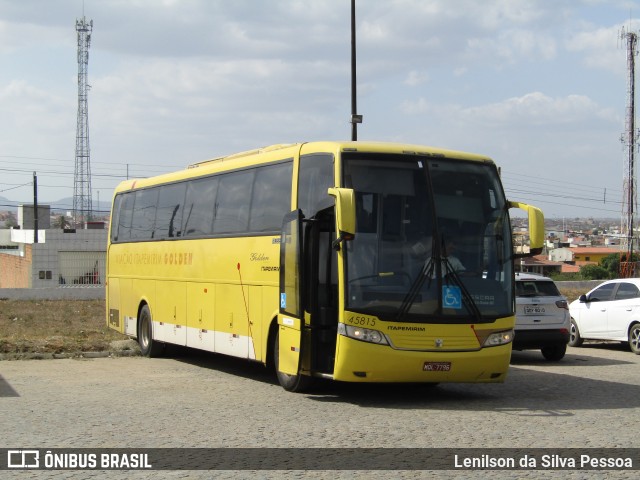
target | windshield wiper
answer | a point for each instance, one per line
(466, 296)
(425, 273)
(429, 271)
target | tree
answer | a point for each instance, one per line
(11, 221)
(61, 222)
(611, 263)
(594, 272)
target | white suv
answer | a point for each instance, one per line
(542, 316)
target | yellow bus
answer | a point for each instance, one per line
(351, 261)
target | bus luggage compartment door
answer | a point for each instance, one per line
(289, 336)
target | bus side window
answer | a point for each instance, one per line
(169, 214)
(199, 207)
(144, 214)
(125, 215)
(115, 217)
(233, 202)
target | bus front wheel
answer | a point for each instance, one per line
(148, 346)
(291, 383)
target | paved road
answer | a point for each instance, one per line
(590, 399)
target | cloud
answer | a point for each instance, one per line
(513, 45)
(602, 48)
(419, 106)
(416, 78)
(17, 36)
(192, 108)
(35, 112)
(177, 81)
(532, 110)
(538, 109)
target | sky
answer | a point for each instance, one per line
(540, 86)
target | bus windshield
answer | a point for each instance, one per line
(433, 242)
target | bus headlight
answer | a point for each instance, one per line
(364, 334)
(498, 338)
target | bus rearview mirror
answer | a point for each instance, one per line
(345, 214)
(536, 226)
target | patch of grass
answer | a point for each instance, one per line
(571, 293)
(54, 326)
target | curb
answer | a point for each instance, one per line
(77, 355)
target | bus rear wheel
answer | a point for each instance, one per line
(148, 346)
(291, 383)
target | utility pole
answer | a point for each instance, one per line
(82, 208)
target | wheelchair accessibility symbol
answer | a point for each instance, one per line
(283, 300)
(451, 297)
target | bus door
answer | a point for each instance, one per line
(308, 319)
(290, 318)
(320, 292)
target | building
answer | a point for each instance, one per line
(538, 264)
(59, 258)
(593, 254)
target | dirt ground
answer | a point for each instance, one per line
(54, 326)
(68, 327)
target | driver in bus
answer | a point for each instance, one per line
(449, 252)
(422, 249)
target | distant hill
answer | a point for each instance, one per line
(66, 205)
(63, 205)
(6, 205)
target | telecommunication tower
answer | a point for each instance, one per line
(82, 208)
(629, 138)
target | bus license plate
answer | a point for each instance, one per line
(533, 309)
(437, 366)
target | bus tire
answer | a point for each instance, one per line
(148, 346)
(291, 383)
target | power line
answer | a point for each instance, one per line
(58, 173)
(17, 186)
(568, 197)
(535, 189)
(528, 178)
(67, 161)
(132, 171)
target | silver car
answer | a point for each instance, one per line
(542, 316)
(610, 311)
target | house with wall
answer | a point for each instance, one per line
(538, 264)
(582, 255)
(59, 258)
(562, 254)
(593, 255)
(52, 257)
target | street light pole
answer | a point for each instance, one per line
(35, 208)
(355, 118)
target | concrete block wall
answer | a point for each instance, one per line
(46, 256)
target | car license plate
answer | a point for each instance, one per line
(437, 366)
(533, 309)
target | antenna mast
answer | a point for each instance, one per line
(82, 208)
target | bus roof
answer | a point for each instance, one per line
(284, 151)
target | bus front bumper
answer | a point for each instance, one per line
(358, 361)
